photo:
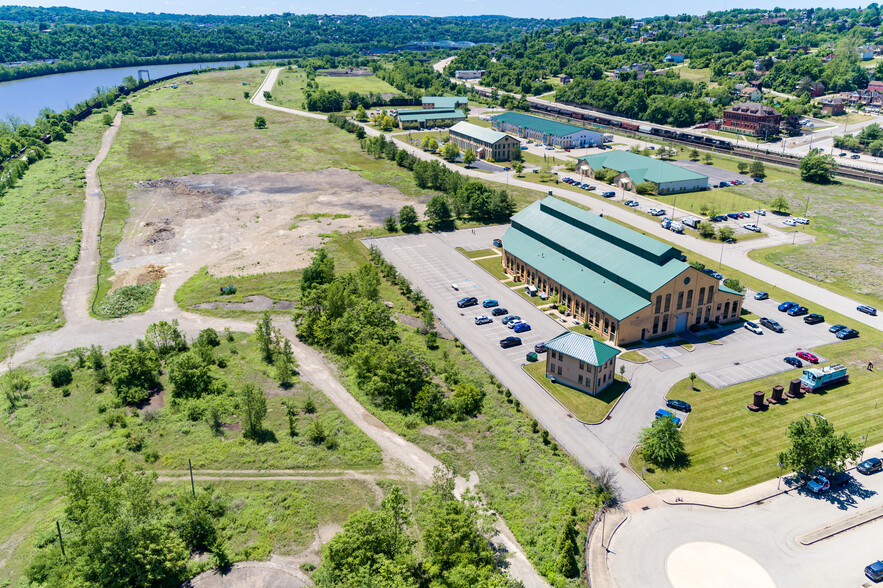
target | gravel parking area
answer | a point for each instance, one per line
(715, 175)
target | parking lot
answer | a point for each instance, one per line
(715, 175)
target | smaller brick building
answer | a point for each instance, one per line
(751, 118)
(580, 362)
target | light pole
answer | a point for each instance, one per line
(721, 262)
(779, 485)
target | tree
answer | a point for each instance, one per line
(267, 95)
(253, 408)
(725, 234)
(126, 108)
(165, 337)
(694, 155)
(133, 372)
(391, 224)
(361, 115)
(60, 375)
(757, 169)
(189, 376)
(266, 336)
(408, 219)
(567, 551)
(706, 230)
(319, 272)
(707, 159)
(260, 122)
(469, 157)
(316, 433)
(646, 188)
(661, 443)
(814, 445)
(733, 284)
(246, 95)
(438, 211)
(743, 167)
(107, 120)
(519, 167)
(818, 168)
(692, 377)
(151, 111)
(450, 151)
(780, 204)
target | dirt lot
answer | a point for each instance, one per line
(240, 224)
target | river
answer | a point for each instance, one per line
(27, 97)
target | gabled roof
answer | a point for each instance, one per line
(444, 101)
(425, 114)
(753, 108)
(640, 168)
(544, 125)
(582, 348)
(479, 133)
(614, 268)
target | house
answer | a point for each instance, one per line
(750, 94)
(548, 132)
(673, 58)
(429, 117)
(624, 285)
(469, 74)
(485, 143)
(751, 118)
(875, 86)
(430, 102)
(816, 89)
(833, 106)
(580, 362)
(865, 54)
(632, 169)
(565, 79)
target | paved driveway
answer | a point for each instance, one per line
(715, 174)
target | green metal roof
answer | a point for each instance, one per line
(723, 288)
(544, 125)
(444, 101)
(476, 132)
(611, 267)
(640, 168)
(425, 114)
(582, 348)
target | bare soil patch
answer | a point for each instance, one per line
(138, 276)
(257, 303)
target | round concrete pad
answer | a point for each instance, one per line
(250, 575)
(704, 564)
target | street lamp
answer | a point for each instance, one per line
(721, 262)
(779, 485)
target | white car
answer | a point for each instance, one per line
(789, 222)
(483, 320)
(760, 211)
(753, 327)
(801, 220)
(752, 227)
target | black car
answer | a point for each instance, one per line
(540, 348)
(813, 319)
(498, 242)
(869, 466)
(678, 405)
(835, 328)
(466, 302)
(510, 342)
(838, 479)
(499, 311)
(794, 361)
(847, 334)
(771, 325)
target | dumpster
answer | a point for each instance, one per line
(532, 356)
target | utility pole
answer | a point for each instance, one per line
(60, 542)
(192, 487)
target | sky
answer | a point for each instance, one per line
(521, 8)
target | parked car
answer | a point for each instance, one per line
(843, 155)
(753, 327)
(664, 414)
(761, 296)
(867, 310)
(847, 334)
(855, 156)
(875, 571)
(794, 361)
(870, 466)
(466, 302)
(771, 325)
(510, 342)
(499, 311)
(713, 274)
(733, 215)
(752, 227)
(760, 211)
(719, 218)
(797, 311)
(838, 479)
(632, 203)
(818, 484)
(786, 306)
(835, 328)
(588, 187)
(678, 405)
(807, 356)
(744, 215)
(513, 324)
(608, 194)
(540, 348)
(789, 223)
(483, 320)
(521, 328)
(490, 303)
(510, 318)
(801, 221)
(498, 242)
(758, 180)
(813, 319)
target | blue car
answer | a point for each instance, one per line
(664, 414)
(510, 318)
(761, 296)
(797, 311)
(867, 310)
(521, 328)
(786, 306)
(490, 303)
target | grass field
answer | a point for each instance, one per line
(494, 266)
(635, 356)
(204, 287)
(585, 407)
(40, 234)
(290, 93)
(731, 448)
(695, 75)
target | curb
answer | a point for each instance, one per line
(853, 522)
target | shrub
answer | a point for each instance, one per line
(151, 111)
(127, 299)
(151, 456)
(260, 122)
(60, 375)
(316, 433)
(208, 337)
(127, 109)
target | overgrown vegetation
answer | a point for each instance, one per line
(128, 299)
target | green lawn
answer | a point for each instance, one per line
(635, 356)
(533, 159)
(478, 122)
(478, 253)
(731, 448)
(493, 266)
(204, 287)
(723, 200)
(290, 92)
(695, 75)
(585, 407)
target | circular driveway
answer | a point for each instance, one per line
(703, 563)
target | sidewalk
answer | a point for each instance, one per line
(596, 555)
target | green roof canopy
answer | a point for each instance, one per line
(582, 348)
(444, 101)
(640, 168)
(426, 114)
(544, 125)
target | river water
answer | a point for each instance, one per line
(25, 98)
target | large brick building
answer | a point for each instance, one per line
(625, 285)
(485, 143)
(751, 118)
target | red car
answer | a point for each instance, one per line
(807, 356)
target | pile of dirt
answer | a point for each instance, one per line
(137, 276)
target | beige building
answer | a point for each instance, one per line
(625, 285)
(580, 362)
(485, 143)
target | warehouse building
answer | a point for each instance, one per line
(548, 132)
(485, 143)
(443, 101)
(580, 362)
(632, 169)
(625, 286)
(429, 117)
